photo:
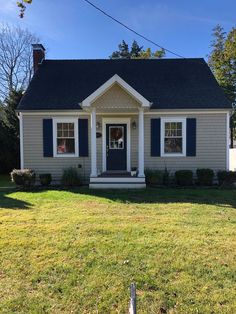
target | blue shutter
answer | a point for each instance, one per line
(191, 133)
(47, 138)
(155, 137)
(83, 137)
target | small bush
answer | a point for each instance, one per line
(24, 177)
(70, 177)
(226, 177)
(205, 176)
(166, 177)
(184, 177)
(45, 179)
(154, 177)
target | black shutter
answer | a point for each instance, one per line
(83, 137)
(155, 137)
(47, 138)
(191, 130)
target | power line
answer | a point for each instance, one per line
(132, 30)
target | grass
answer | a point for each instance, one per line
(78, 251)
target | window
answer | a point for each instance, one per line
(65, 137)
(116, 137)
(173, 141)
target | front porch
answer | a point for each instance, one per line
(117, 135)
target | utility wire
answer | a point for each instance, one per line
(132, 30)
(138, 34)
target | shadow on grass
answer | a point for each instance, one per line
(207, 196)
(7, 202)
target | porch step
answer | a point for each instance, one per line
(117, 183)
(115, 174)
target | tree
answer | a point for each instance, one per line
(16, 64)
(148, 54)
(22, 6)
(136, 52)
(222, 61)
(9, 133)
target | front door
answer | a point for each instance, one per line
(116, 146)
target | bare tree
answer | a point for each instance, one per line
(16, 64)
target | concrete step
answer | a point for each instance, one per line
(117, 185)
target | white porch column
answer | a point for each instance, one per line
(141, 143)
(93, 144)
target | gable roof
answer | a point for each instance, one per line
(166, 83)
(115, 79)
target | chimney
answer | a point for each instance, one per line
(38, 55)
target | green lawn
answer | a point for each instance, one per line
(78, 251)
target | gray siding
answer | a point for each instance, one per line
(211, 146)
(33, 150)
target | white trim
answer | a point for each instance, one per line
(150, 112)
(227, 141)
(108, 84)
(21, 141)
(93, 144)
(184, 112)
(141, 143)
(65, 120)
(55, 113)
(106, 121)
(183, 121)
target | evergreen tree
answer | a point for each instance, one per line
(136, 52)
(122, 53)
(9, 133)
(222, 61)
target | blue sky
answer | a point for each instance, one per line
(72, 29)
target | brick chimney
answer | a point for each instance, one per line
(38, 55)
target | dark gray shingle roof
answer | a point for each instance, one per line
(167, 83)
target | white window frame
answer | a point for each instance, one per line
(65, 120)
(166, 120)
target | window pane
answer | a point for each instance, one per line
(173, 145)
(59, 126)
(59, 133)
(65, 146)
(71, 133)
(71, 126)
(116, 139)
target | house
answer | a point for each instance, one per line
(108, 117)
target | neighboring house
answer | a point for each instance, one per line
(108, 117)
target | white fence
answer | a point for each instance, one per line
(232, 159)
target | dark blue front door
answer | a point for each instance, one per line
(116, 146)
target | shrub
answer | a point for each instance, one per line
(184, 177)
(45, 179)
(24, 177)
(166, 177)
(70, 177)
(205, 176)
(226, 177)
(154, 177)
